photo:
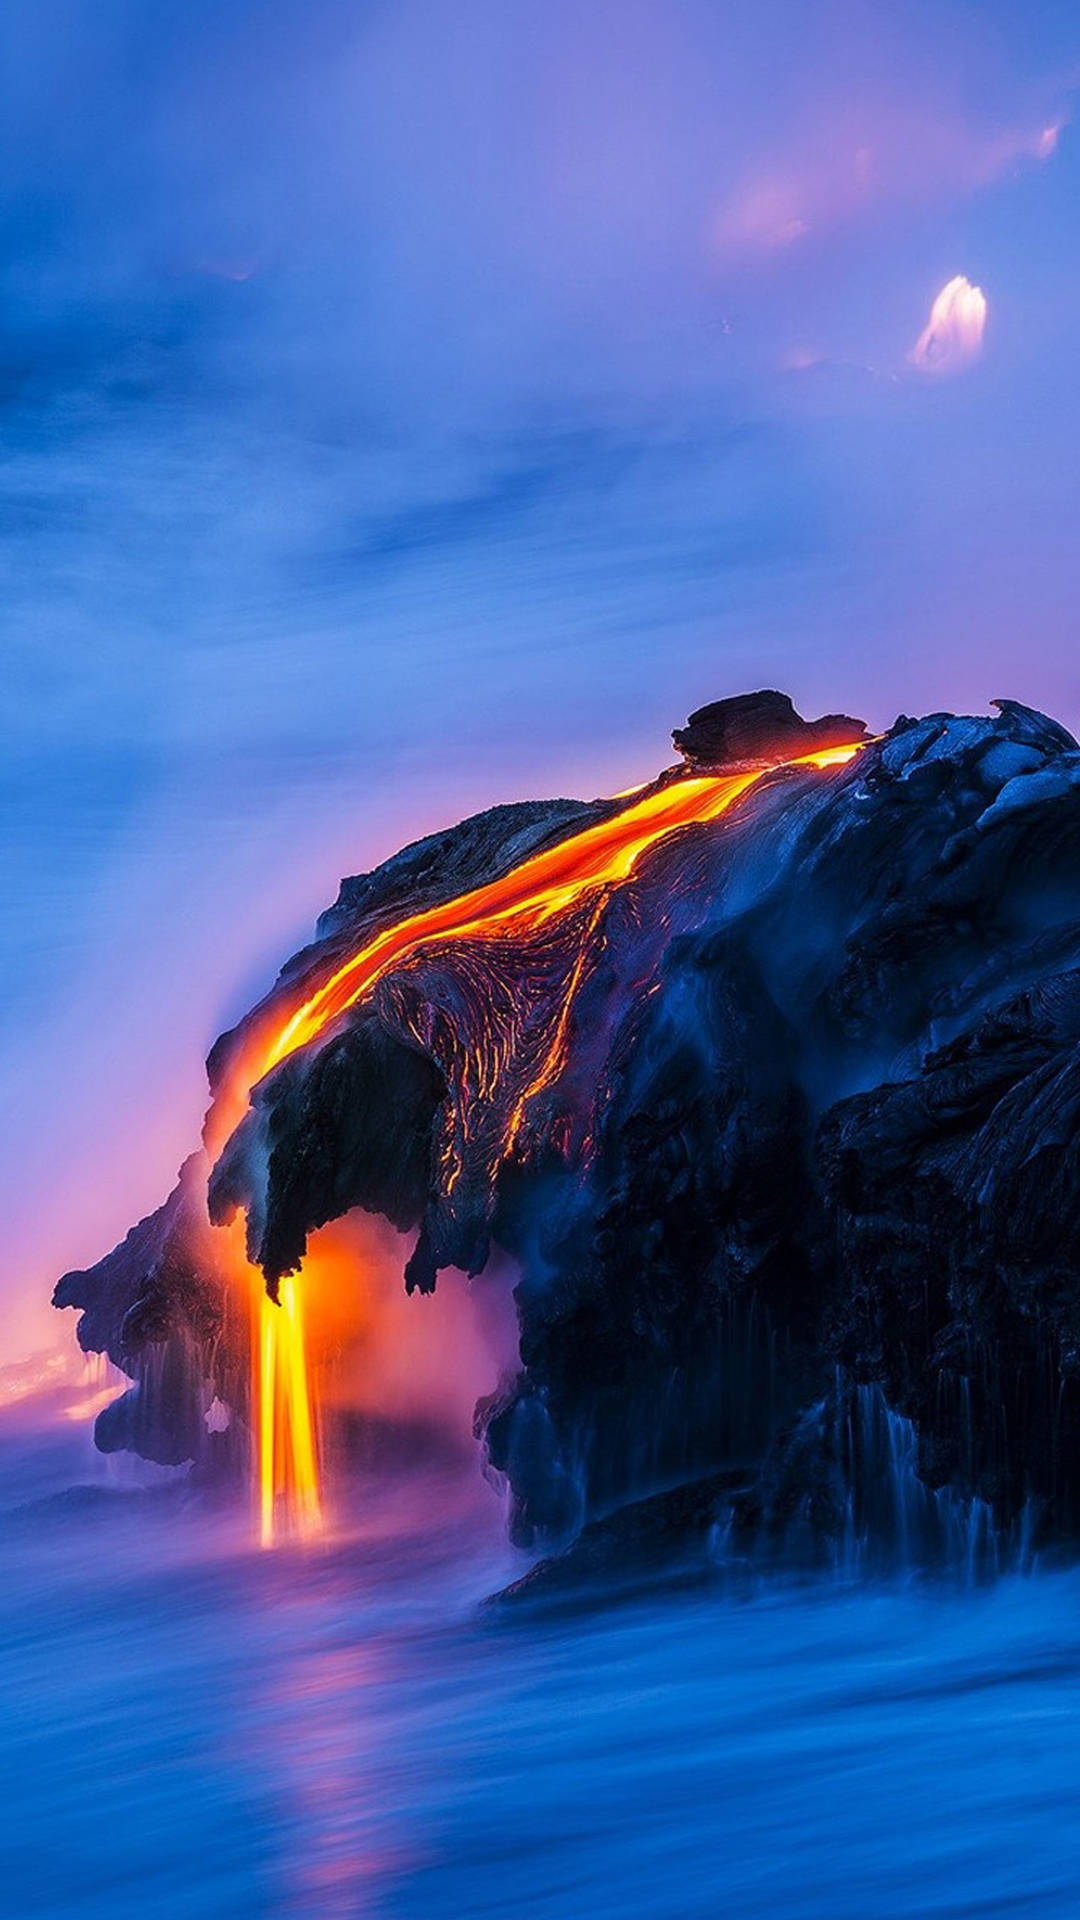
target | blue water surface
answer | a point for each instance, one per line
(192, 1728)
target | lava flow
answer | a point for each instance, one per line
(544, 885)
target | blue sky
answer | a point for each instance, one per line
(407, 406)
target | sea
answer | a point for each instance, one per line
(195, 1727)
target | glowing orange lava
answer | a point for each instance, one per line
(588, 863)
(287, 1458)
(532, 893)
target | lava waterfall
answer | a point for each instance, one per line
(765, 1078)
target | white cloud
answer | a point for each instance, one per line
(952, 337)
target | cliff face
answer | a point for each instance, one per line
(791, 1109)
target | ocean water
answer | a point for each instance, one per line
(190, 1727)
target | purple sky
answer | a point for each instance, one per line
(412, 406)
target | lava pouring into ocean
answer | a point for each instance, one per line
(520, 902)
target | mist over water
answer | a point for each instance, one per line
(191, 1726)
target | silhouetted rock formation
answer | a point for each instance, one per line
(158, 1305)
(812, 1143)
(758, 727)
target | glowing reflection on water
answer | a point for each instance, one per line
(191, 1727)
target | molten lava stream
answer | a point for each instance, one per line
(593, 861)
(288, 1462)
(286, 1469)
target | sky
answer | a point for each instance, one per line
(412, 405)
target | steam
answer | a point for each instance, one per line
(848, 164)
(953, 335)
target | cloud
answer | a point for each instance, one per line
(853, 162)
(952, 337)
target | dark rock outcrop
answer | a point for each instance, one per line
(160, 1307)
(353, 1125)
(785, 1124)
(758, 727)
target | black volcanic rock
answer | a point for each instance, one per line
(955, 1199)
(663, 1535)
(782, 1133)
(351, 1125)
(467, 855)
(441, 866)
(158, 1306)
(758, 727)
